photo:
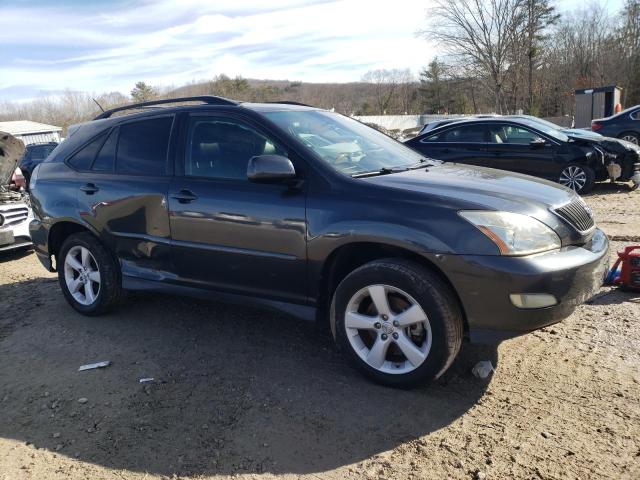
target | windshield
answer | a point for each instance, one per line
(552, 130)
(347, 145)
(541, 121)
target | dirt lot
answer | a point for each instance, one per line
(244, 392)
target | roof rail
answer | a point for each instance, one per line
(207, 99)
(289, 102)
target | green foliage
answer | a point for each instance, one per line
(432, 86)
(143, 92)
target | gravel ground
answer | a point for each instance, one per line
(248, 393)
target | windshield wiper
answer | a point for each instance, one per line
(382, 171)
(423, 163)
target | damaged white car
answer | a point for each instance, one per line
(15, 210)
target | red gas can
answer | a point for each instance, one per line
(629, 276)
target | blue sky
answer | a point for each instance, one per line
(101, 46)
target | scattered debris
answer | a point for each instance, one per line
(483, 369)
(91, 366)
(480, 475)
(147, 380)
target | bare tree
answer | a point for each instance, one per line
(481, 32)
(386, 85)
(539, 16)
(629, 40)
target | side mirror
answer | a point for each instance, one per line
(537, 143)
(270, 169)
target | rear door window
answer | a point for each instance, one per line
(464, 134)
(143, 147)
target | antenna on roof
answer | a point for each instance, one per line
(99, 106)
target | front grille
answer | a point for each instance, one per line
(14, 215)
(577, 215)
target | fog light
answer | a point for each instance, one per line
(533, 300)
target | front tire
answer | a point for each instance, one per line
(88, 275)
(579, 178)
(397, 322)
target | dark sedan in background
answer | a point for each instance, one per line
(35, 154)
(624, 125)
(530, 147)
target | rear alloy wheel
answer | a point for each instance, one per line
(630, 137)
(397, 322)
(578, 178)
(88, 275)
(82, 275)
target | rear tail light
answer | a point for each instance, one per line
(595, 126)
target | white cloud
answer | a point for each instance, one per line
(109, 47)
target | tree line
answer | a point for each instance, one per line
(496, 56)
(507, 55)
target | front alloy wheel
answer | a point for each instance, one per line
(578, 178)
(388, 329)
(397, 322)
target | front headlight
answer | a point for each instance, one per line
(513, 233)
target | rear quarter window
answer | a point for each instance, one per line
(431, 138)
(143, 146)
(106, 158)
(83, 158)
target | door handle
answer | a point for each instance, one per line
(185, 196)
(89, 188)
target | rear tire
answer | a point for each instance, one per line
(397, 322)
(88, 275)
(632, 137)
(577, 177)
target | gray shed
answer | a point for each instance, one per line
(595, 103)
(31, 132)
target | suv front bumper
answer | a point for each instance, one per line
(484, 284)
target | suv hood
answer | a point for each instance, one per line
(11, 150)
(479, 187)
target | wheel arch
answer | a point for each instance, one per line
(60, 231)
(346, 258)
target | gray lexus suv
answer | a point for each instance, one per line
(313, 213)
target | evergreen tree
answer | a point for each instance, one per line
(143, 92)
